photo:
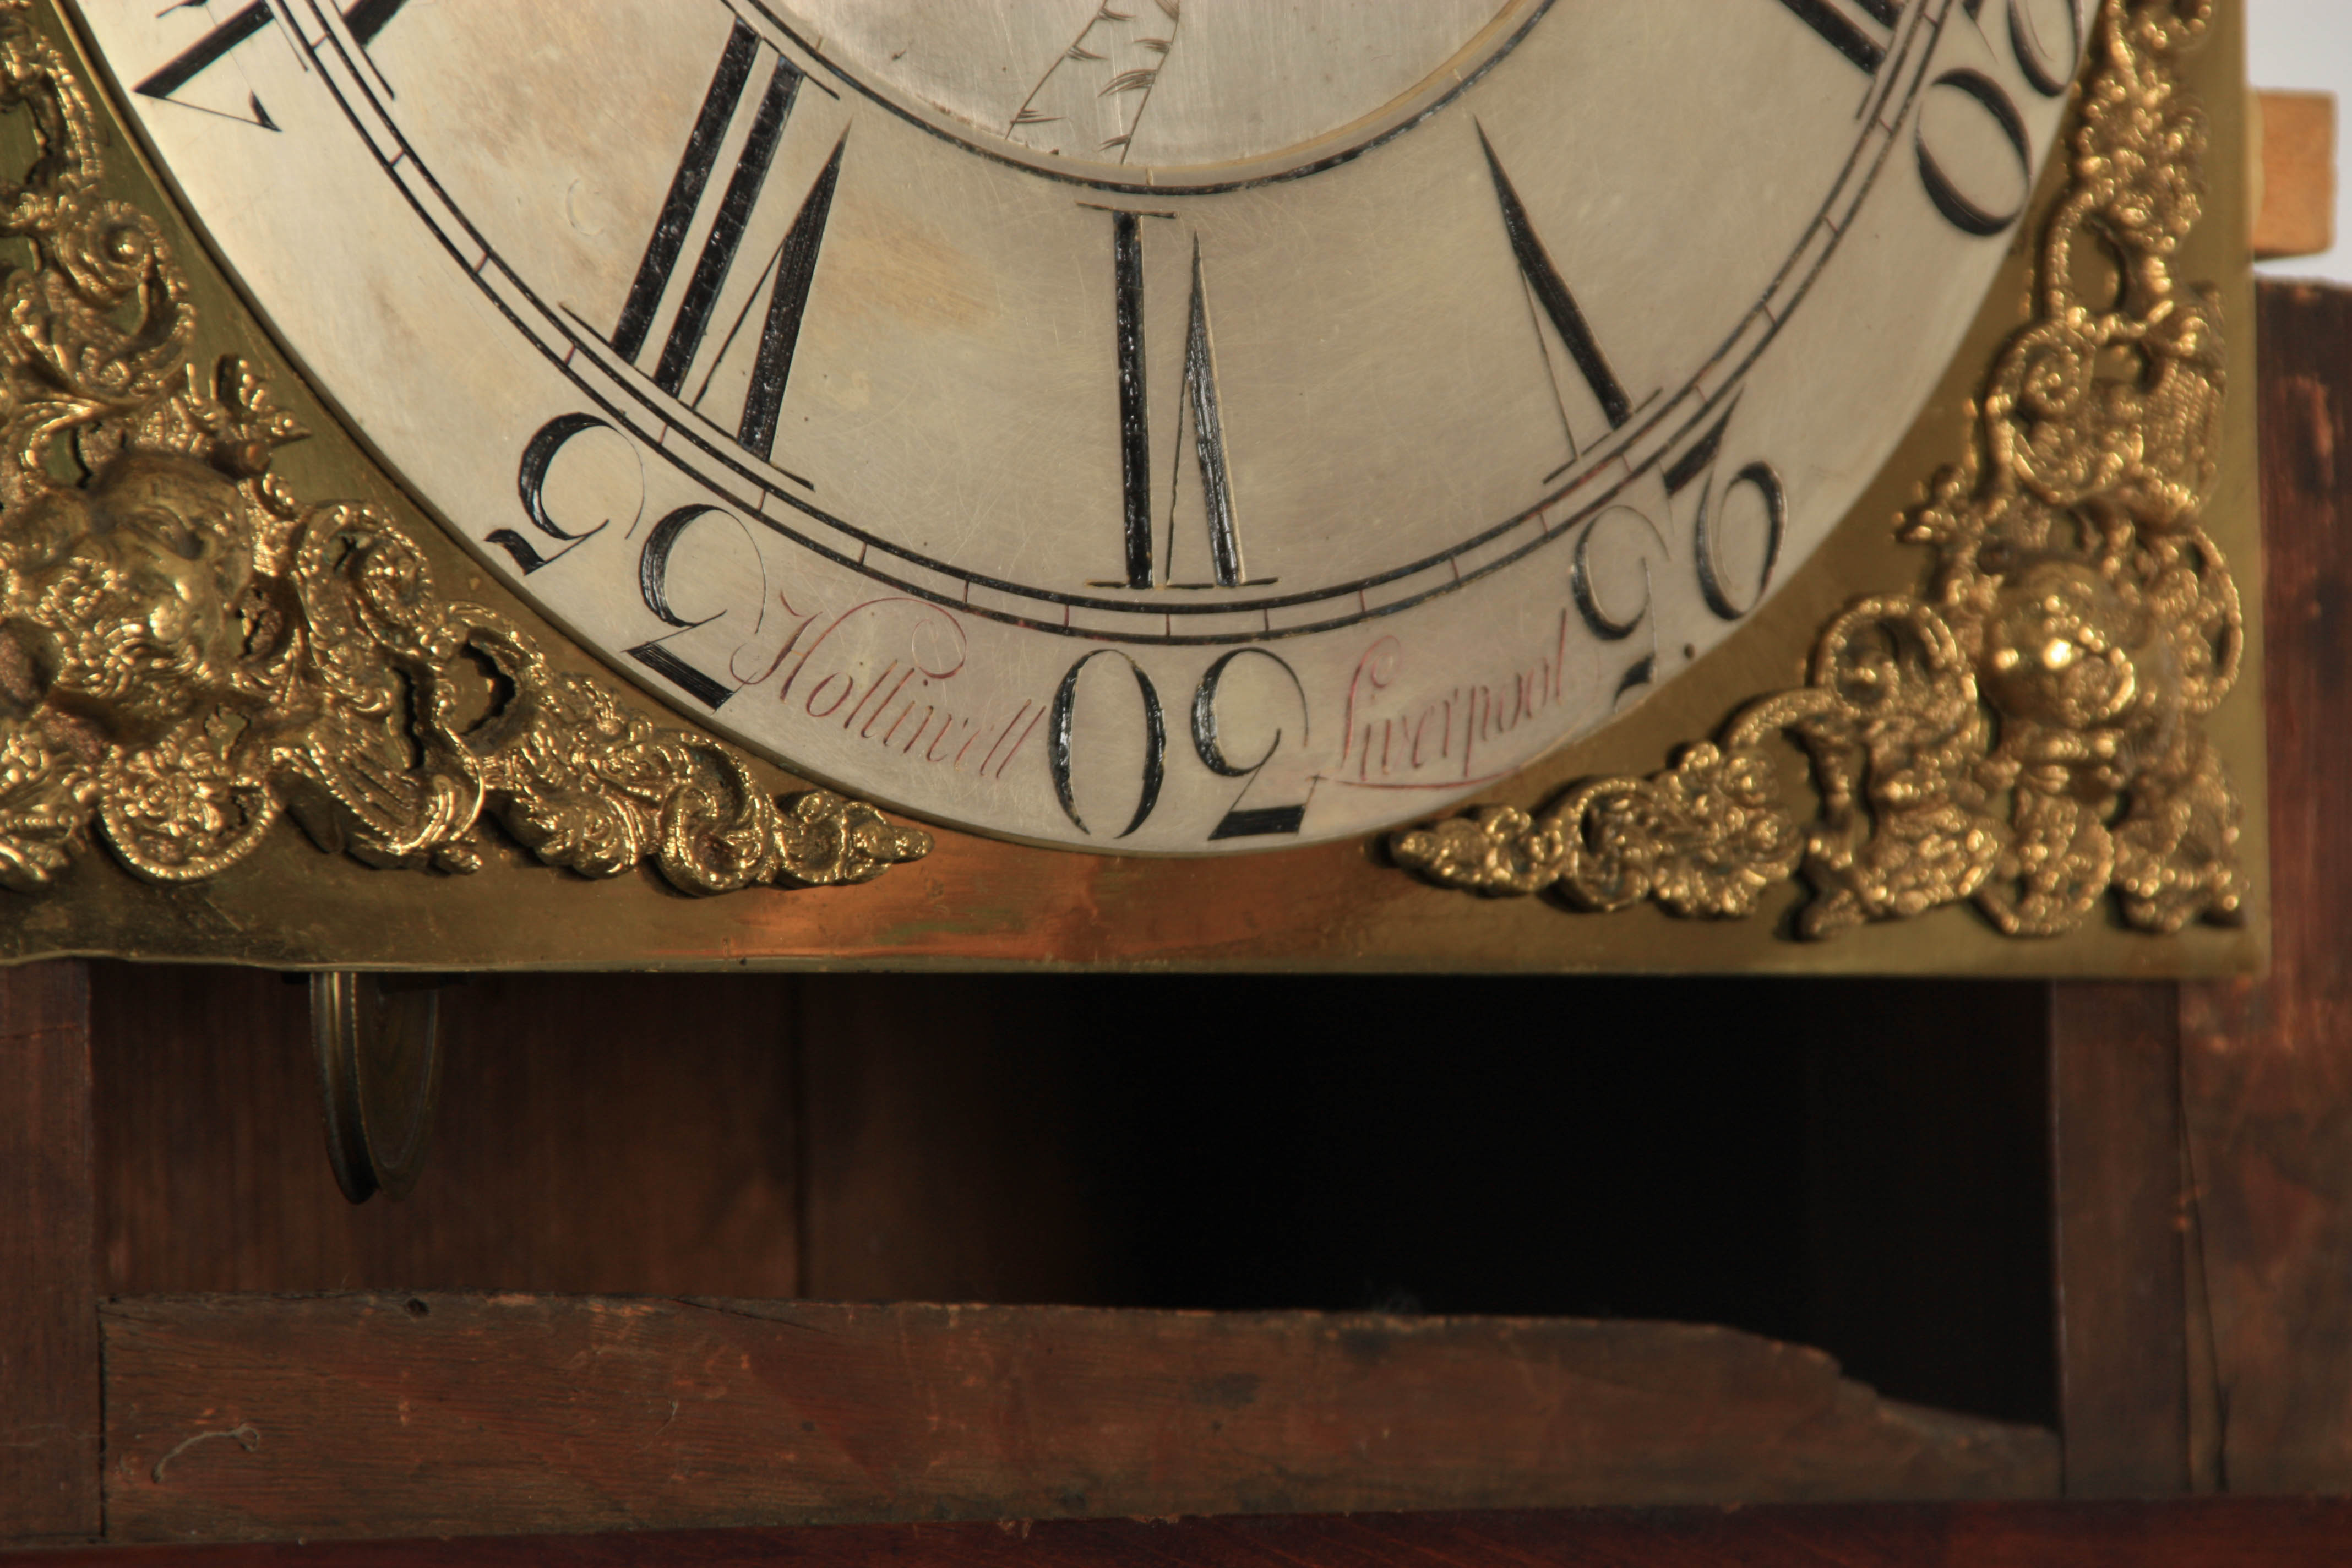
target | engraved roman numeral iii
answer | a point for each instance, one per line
(792, 266)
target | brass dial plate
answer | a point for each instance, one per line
(1103, 497)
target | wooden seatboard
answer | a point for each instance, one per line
(355, 1415)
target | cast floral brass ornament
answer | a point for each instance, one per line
(187, 652)
(2026, 733)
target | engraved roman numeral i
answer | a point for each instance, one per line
(789, 271)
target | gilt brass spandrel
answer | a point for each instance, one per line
(190, 653)
(982, 903)
(2027, 731)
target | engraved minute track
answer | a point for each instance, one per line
(1090, 101)
(1122, 424)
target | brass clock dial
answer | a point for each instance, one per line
(1177, 429)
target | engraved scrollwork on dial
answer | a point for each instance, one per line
(2026, 733)
(189, 653)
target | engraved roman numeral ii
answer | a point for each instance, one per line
(1200, 415)
(791, 267)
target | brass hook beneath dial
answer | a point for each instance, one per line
(378, 1038)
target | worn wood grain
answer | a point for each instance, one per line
(363, 1415)
(2269, 1061)
(2297, 216)
(595, 1132)
(2231, 1533)
(49, 1289)
(2118, 1203)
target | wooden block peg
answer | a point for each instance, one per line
(2298, 191)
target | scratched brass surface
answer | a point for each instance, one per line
(976, 902)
